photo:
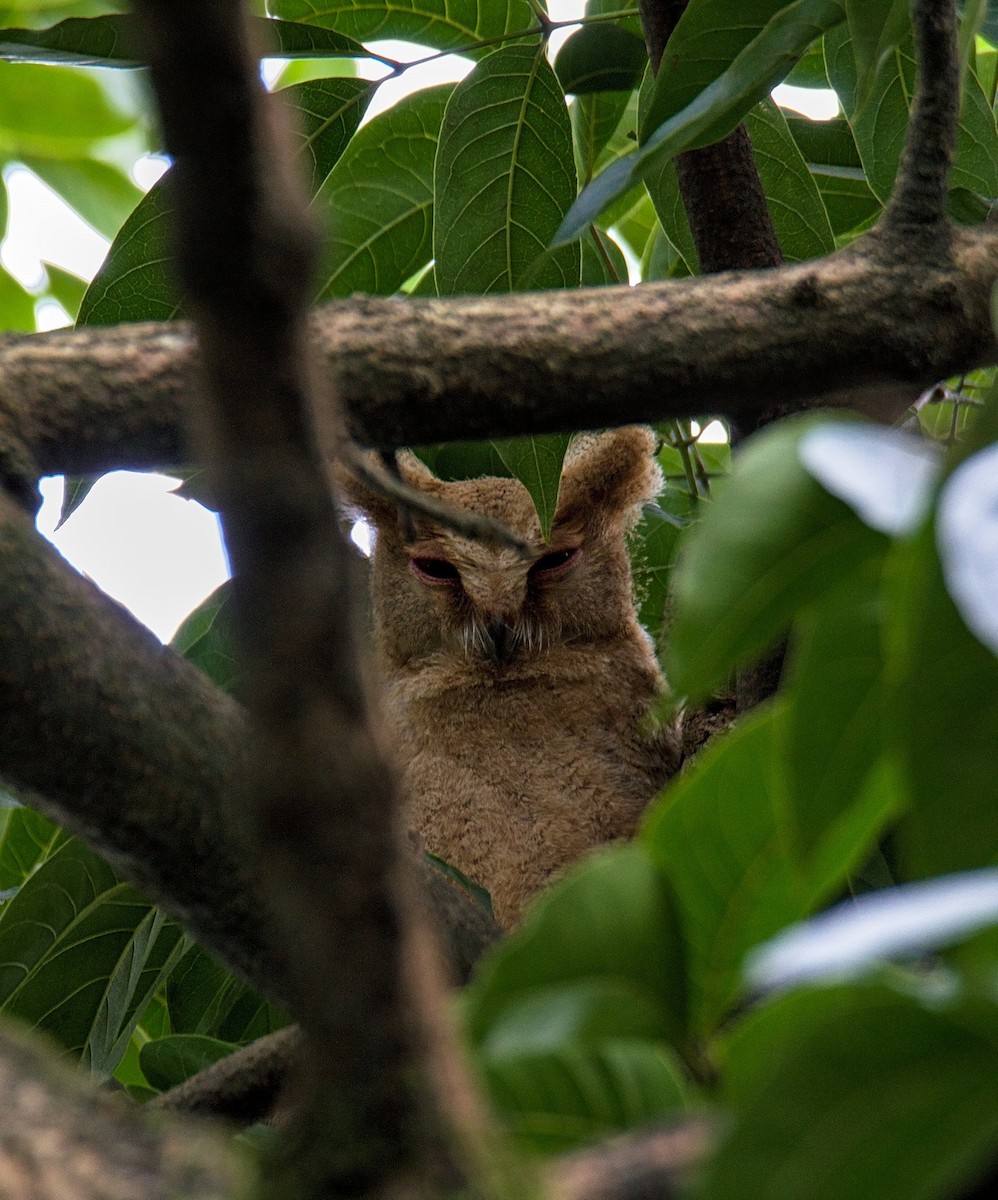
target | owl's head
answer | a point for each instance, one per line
(437, 593)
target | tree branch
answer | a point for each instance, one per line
(63, 1138)
(870, 326)
(920, 191)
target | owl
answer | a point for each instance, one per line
(517, 689)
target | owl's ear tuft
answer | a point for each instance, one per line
(357, 495)
(608, 476)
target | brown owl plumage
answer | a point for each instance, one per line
(517, 689)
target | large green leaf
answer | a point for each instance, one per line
(26, 839)
(135, 283)
(81, 954)
(41, 13)
(944, 711)
(699, 106)
(56, 112)
(536, 462)
(17, 305)
(714, 836)
(601, 58)
(442, 24)
(880, 125)
(329, 112)
(834, 720)
(710, 37)
(206, 639)
(772, 542)
(611, 920)
(875, 28)
(792, 196)
(205, 998)
(109, 41)
(378, 200)
(553, 1102)
(504, 178)
(595, 117)
(861, 1092)
(832, 158)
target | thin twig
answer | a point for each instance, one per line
(475, 526)
(920, 191)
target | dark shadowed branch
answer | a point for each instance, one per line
(322, 804)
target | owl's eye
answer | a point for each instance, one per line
(434, 570)
(555, 561)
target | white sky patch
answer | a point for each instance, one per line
(450, 68)
(820, 104)
(155, 553)
(149, 169)
(43, 226)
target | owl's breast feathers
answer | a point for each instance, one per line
(513, 774)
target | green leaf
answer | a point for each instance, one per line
(206, 639)
(203, 997)
(880, 126)
(26, 839)
(77, 489)
(771, 542)
(135, 281)
(875, 28)
(109, 41)
(504, 178)
(81, 954)
(712, 36)
(536, 462)
(442, 24)
(463, 460)
(330, 111)
(610, 919)
(17, 305)
(714, 836)
(943, 710)
(601, 58)
(858, 1092)
(171, 1060)
(68, 289)
(378, 200)
(698, 106)
(792, 196)
(56, 112)
(603, 262)
(595, 118)
(834, 713)
(653, 554)
(832, 158)
(552, 1103)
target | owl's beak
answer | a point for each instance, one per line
(501, 640)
